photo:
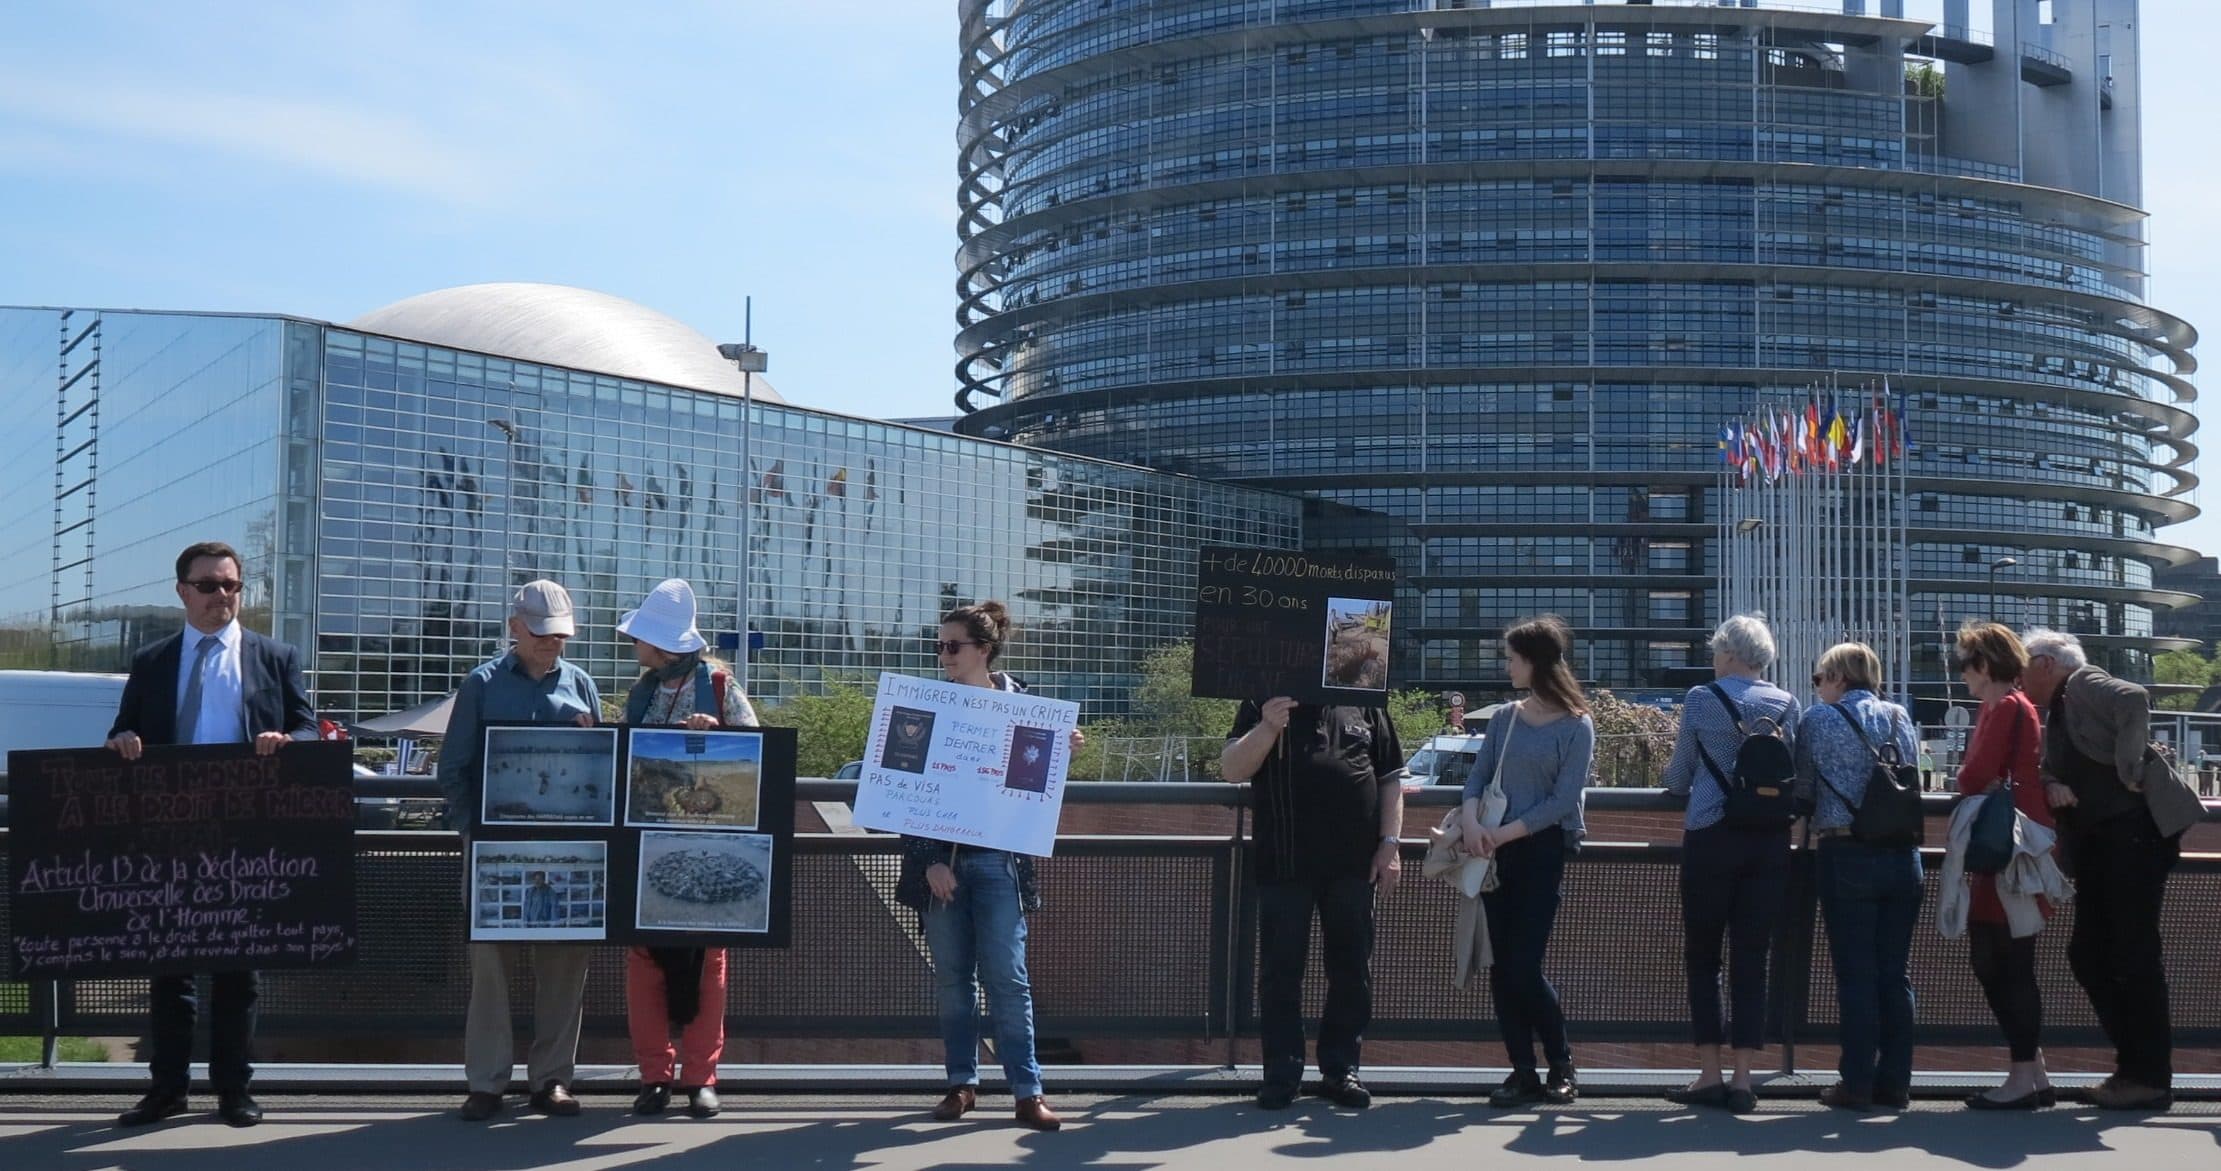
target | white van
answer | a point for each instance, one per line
(1443, 760)
(56, 709)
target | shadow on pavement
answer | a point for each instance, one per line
(336, 1134)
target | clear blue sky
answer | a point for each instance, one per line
(190, 155)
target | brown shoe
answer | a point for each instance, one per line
(1843, 1097)
(1035, 1112)
(479, 1106)
(555, 1101)
(957, 1104)
(2119, 1093)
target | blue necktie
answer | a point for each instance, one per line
(189, 707)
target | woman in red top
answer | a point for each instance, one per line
(2005, 745)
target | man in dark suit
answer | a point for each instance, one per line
(214, 683)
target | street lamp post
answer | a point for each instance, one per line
(2000, 563)
(751, 362)
(508, 506)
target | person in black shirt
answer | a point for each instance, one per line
(1327, 786)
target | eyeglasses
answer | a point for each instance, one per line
(211, 586)
(950, 646)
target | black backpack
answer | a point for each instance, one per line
(1760, 794)
(1888, 814)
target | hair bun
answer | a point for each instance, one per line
(997, 614)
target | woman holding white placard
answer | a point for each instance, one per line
(973, 903)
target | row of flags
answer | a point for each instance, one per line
(1825, 436)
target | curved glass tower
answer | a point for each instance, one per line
(1482, 281)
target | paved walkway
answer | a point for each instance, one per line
(47, 1133)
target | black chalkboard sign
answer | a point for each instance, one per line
(190, 859)
(1311, 626)
(658, 836)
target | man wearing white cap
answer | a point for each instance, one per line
(531, 682)
(677, 988)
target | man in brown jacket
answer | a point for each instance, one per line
(2095, 733)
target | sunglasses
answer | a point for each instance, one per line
(210, 587)
(950, 646)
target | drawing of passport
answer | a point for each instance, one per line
(909, 734)
(1027, 770)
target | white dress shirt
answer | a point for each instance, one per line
(223, 714)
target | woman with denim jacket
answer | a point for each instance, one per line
(973, 904)
(1869, 894)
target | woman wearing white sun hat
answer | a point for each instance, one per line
(681, 987)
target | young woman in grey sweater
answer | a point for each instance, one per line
(1539, 750)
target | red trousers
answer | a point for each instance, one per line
(701, 1043)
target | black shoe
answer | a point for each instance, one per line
(1893, 1097)
(1741, 1101)
(1522, 1088)
(555, 1100)
(478, 1106)
(1276, 1096)
(1560, 1088)
(2028, 1101)
(1345, 1090)
(653, 1098)
(701, 1102)
(2047, 1097)
(152, 1109)
(1714, 1096)
(238, 1109)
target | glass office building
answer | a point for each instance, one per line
(1482, 280)
(384, 488)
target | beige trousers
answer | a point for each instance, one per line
(559, 995)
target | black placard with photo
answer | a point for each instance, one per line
(1316, 627)
(666, 837)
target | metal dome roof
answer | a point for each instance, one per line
(557, 325)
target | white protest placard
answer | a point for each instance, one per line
(963, 764)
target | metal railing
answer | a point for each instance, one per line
(1154, 937)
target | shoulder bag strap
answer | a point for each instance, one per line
(1860, 728)
(1511, 720)
(2012, 746)
(1735, 717)
(1822, 773)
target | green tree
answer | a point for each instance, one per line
(1633, 741)
(2183, 668)
(830, 725)
(1162, 705)
(1417, 714)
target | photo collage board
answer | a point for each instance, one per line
(658, 836)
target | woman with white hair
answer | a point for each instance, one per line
(1734, 854)
(679, 988)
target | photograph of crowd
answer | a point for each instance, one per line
(705, 882)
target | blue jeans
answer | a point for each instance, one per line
(1872, 899)
(982, 933)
